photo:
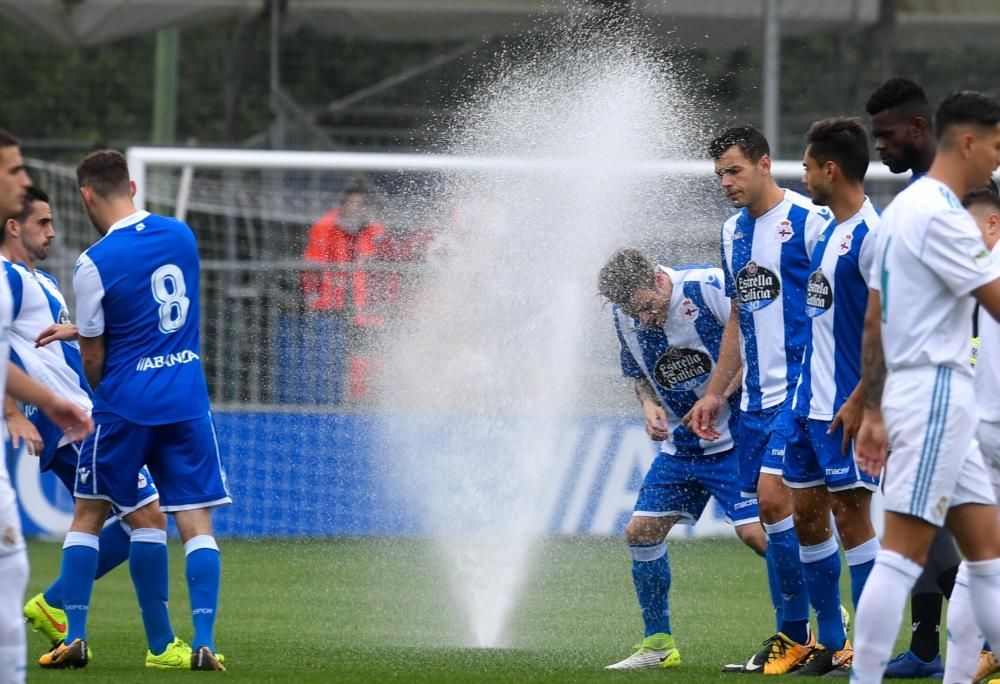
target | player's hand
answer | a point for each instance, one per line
(72, 419)
(23, 430)
(702, 417)
(56, 332)
(849, 416)
(871, 446)
(656, 421)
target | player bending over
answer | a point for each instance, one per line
(929, 258)
(137, 292)
(43, 344)
(670, 325)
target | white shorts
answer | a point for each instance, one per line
(935, 463)
(988, 435)
(11, 539)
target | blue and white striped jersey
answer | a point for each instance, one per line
(38, 303)
(836, 300)
(766, 265)
(678, 358)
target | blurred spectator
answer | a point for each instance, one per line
(350, 234)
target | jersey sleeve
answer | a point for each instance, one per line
(630, 367)
(866, 256)
(89, 291)
(953, 248)
(16, 287)
(712, 291)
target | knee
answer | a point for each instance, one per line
(643, 530)
(147, 517)
(753, 535)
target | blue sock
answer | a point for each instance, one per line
(204, 575)
(79, 563)
(147, 562)
(114, 546)
(651, 575)
(860, 561)
(774, 585)
(783, 548)
(821, 567)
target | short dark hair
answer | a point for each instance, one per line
(105, 172)
(625, 272)
(31, 196)
(8, 140)
(986, 195)
(842, 140)
(751, 142)
(966, 107)
(896, 93)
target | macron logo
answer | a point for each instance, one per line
(166, 360)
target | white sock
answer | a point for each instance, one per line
(13, 641)
(880, 613)
(984, 592)
(965, 641)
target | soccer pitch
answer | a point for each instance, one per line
(380, 609)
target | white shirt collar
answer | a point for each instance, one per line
(129, 220)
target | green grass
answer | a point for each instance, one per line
(381, 609)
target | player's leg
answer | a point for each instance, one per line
(44, 611)
(79, 566)
(14, 571)
(188, 470)
(765, 433)
(935, 464)
(988, 434)
(669, 494)
(819, 551)
(148, 563)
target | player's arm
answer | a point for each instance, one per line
(93, 352)
(989, 296)
(871, 446)
(72, 419)
(57, 332)
(702, 416)
(20, 428)
(652, 412)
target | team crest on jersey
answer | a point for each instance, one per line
(680, 369)
(844, 246)
(784, 232)
(64, 317)
(142, 481)
(689, 310)
(757, 286)
(819, 294)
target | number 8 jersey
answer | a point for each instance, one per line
(138, 286)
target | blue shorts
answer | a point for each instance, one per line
(65, 463)
(760, 442)
(182, 457)
(676, 486)
(814, 458)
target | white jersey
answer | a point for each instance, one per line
(988, 362)
(766, 264)
(7, 497)
(836, 300)
(929, 256)
(678, 357)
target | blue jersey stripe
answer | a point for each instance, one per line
(707, 327)
(849, 305)
(742, 253)
(794, 276)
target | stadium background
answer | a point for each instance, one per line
(378, 78)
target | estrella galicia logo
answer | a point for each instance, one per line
(680, 369)
(819, 294)
(757, 286)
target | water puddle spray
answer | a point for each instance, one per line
(485, 373)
